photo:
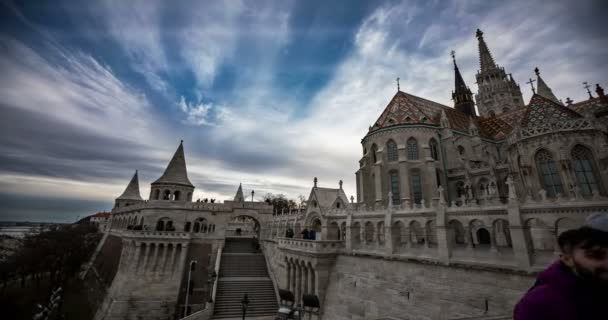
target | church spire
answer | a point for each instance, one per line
(543, 89)
(462, 95)
(132, 190)
(239, 197)
(176, 172)
(486, 62)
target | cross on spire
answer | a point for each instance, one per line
(531, 82)
(587, 86)
(398, 87)
(453, 54)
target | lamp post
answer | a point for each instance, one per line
(244, 304)
(252, 193)
(192, 265)
(211, 280)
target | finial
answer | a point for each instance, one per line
(340, 184)
(479, 34)
(352, 199)
(531, 82)
(315, 180)
(453, 54)
(537, 72)
(398, 86)
(569, 101)
(587, 86)
(181, 142)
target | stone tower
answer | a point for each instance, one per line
(497, 92)
(462, 96)
(131, 194)
(174, 184)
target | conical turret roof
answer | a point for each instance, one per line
(132, 190)
(239, 197)
(486, 62)
(176, 172)
(543, 88)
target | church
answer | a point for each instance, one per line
(457, 209)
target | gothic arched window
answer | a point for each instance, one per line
(547, 171)
(412, 149)
(585, 170)
(391, 151)
(434, 149)
(416, 182)
(394, 178)
(374, 156)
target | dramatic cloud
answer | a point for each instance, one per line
(270, 94)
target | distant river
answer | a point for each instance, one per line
(18, 232)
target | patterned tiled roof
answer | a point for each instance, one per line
(406, 108)
(541, 110)
(595, 106)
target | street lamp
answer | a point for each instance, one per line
(192, 265)
(244, 304)
(211, 281)
(252, 193)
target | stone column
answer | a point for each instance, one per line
(521, 248)
(135, 262)
(468, 238)
(172, 259)
(377, 183)
(182, 259)
(163, 259)
(310, 278)
(305, 279)
(288, 282)
(443, 247)
(298, 290)
(388, 234)
(293, 278)
(404, 183)
(154, 257)
(145, 259)
(361, 182)
(349, 232)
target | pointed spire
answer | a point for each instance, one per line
(176, 172)
(543, 88)
(239, 197)
(462, 96)
(132, 190)
(486, 62)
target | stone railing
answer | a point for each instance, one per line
(312, 246)
(153, 234)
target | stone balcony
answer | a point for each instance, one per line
(314, 247)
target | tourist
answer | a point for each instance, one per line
(289, 233)
(305, 233)
(575, 286)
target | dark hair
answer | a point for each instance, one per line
(583, 237)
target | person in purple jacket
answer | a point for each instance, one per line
(575, 286)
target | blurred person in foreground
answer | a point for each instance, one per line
(575, 286)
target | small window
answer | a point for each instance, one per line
(460, 150)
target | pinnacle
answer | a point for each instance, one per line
(176, 172)
(132, 190)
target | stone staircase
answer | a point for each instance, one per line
(243, 271)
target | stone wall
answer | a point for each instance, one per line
(411, 290)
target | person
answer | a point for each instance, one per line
(305, 234)
(312, 235)
(575, 286)
(289, 233)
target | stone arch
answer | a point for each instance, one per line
(416, 233)
(167, 194)
(369, 232)
(333, 231)
(483, 236)
(502, 233)
(164, 224)
(398, 234)
(564, 224)
(456, 233)
(156, 194)
(539, 235)
(177, 195)
(381, 237)
(475, 226)
(431, 232)
(356, 232)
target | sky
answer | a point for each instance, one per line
(269, 94)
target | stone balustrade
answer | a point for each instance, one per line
(312, 246)
(153, 234)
